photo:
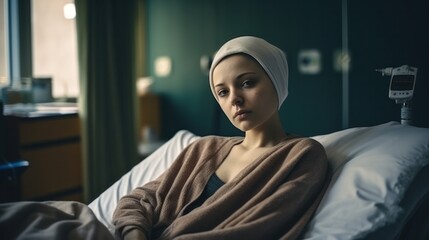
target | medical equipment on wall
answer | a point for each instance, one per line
(401, 88)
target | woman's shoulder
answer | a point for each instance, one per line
(296, 139)
(303, 143)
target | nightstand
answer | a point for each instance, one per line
(51, 144)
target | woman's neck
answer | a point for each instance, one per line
(265, 136)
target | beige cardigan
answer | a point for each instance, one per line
(272, 198)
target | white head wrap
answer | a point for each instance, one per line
(271, 58)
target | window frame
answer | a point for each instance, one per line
(18, 43)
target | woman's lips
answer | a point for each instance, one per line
(241, 114)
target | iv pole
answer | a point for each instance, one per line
(406, 112)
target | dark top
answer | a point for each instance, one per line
(212, 186)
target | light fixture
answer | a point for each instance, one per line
(69, 11)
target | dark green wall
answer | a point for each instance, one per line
(186, 30)
(383, 34)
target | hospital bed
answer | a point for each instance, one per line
(379, 188)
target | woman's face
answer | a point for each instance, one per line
(245, 92)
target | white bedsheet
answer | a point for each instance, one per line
(148, 169)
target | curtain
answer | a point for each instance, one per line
(107, 57)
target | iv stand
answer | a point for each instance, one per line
(406, 112)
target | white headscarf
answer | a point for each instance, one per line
(271, 58)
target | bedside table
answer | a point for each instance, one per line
(51, 145)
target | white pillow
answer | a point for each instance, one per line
(147, 170)
(373, 167)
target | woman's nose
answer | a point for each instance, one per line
(236, 99)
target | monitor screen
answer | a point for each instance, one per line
(402, 83)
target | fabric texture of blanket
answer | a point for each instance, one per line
(272, 198)
(50, 220)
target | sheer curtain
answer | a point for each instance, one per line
(107, 52)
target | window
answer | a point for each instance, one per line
(3, 43)
(54, 45)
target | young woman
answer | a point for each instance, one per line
(265, 185)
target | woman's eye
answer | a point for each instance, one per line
(248, 83)
(221, 92)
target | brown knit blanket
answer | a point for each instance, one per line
(272, 198)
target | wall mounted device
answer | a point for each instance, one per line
(401, 88)
(309, 61)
